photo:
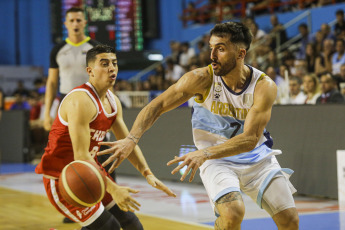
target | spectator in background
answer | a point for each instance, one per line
(306, 38)
(21, 89)
(329, 92)
(310, 57)
(187, 53)
(258, 34)
(326, 31)
(20, 102)
(39, 85)
(175, 51)
(323, 62)
(38, 135)
(318, 41)
(282, 89)
(272, 60)
(160, 72)
(283, 71)
(201, 47)
(173, 71)
(296, 95)
(271, 72)
(300, 67)
(277, 33)
(338, 58)
(339, 27)
(311, 88)
(289, 62)
(192, 14)
(340, 78)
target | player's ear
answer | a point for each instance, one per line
(89, 71)
(242, 53)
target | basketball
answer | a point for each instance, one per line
(82, 183)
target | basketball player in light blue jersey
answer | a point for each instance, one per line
(233, 104)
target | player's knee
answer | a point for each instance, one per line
(287, 219)
(231, 217)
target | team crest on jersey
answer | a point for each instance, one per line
(248, 99)
(218, 87)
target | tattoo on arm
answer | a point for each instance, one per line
(232, 196)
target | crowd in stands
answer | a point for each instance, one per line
(310, 71)
(213, 11)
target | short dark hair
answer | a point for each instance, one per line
(239, 33)
(303, 25)
(339, 12)
(74, 10)
(99, 49)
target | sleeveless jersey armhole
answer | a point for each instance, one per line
(89, 94)
(208, 90)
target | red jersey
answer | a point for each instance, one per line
(59, 151)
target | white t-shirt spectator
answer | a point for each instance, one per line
(174, 74)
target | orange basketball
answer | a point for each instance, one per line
(82, 183)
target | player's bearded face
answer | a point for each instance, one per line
(223, 55)
(225, 66)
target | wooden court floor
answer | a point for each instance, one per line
(21, 210)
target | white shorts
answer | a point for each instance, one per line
(221, 177)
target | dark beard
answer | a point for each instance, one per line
(225, 69)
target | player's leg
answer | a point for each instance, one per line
(106, 221)
(222, 185)
(93, 218)
(128, 220)
(231, 211)
(279, 203)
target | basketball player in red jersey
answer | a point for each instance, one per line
(84, 116)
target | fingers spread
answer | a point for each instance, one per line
(108, 161)
(175, 160)
(107, 151)
(179, 167)
(186, 172)
(193, 174)
(106, 143)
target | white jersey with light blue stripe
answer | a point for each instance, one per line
(221, 116)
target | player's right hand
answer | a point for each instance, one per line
(47, 123)
(124, 200)
(120, 149)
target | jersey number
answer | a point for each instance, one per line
(94, 151)
(237, 127)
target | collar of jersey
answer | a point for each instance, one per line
(78, 44)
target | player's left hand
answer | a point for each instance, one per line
(193, 160)
(154, 182)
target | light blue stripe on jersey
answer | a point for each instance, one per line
(268, 179)
(251, 157)
(205, 120)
